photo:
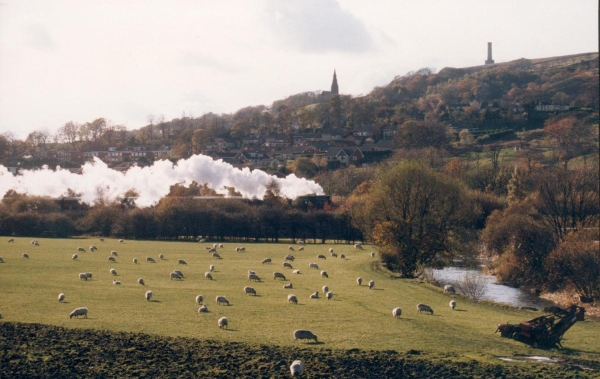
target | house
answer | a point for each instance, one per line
(224, 143)
(250, 156)
(277, 141)
(253, 140)
(316, 201)
(304, 139)
(332, 134)
(388, 132)
(345, 156)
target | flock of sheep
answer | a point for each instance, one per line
(296, 367)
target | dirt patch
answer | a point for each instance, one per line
(34, 350)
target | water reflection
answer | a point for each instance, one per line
(493, 291)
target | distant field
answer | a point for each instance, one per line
(356, 317)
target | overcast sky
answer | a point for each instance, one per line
(122, 60)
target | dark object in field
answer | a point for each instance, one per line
(545, 331)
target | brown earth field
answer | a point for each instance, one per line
(36, 350)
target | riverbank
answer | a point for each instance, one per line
(565, 298)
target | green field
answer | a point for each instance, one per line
(356, 317)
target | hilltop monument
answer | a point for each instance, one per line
(489, 60)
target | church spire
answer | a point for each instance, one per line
(334, 85)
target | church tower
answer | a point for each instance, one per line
(334, 86)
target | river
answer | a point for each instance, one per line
(498, 293)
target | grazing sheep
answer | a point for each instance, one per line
(301, 248)
(89, 275)
(296, 368)
(449, 289)
(343, 256)
(291, 248)
(221, 299)
(212, 250)
(11, 240)
(101, 239)
(333, 255)
(251, 272)
(178, 273)
(203, 309)
(207, 247)
(25, 255)
(116, 282)
(250, 290)
(150, 260)
(288, 286)
(199, 299)
(141, 281)
(121, 241)
(175, 275)
(135, 260)
(266, 260)
(202, 240)
(324, 274)
(329, 295)
(221, 246)
(81, 249)
(92, 248)
(289, 258)
(304, 335)
(292, 299)
(321, 256)
(114, 253)
(181, 262)
(325, 288)
(214, 245)
(61, 297)
(424, 308)
(242, 249)
(211, 267)
(296, 272)
(396, 312)
(83, 276)
(208, 276)
(112, 259)
(148, 295)
(36, 243)
(74, 257)
(253, 277)
(372, 254)
(331, 250)
(371, 284)
(452, 304)
(358, 246)
(79, 312)
(161, 256)
(1, 260)
(285, 264)
(313, 265)
(314, 295)
(215, 255)
(223, 323)
(278, 275)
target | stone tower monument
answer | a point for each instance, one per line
(334, 86)
(489, 60)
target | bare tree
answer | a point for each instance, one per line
(472, 285)
(150, 118)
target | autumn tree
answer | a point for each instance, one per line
(421, 134)
(573, 137)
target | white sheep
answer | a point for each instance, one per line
(181, 262)
(304, 335)
(249, 290)
(212, 268)
(266, 260)
(178, 273)
(135, 260)
(112, 259)
(331, 250)
(114, 253)
(25, 255)
(300, 242)
(292, 299)
(113, 271)
(251, 272)
(333, 255)
(89, 275)
(371, 284)
(313, 265)
(83, 276)
(221, 246)
(214, 245)
(223, 323)
(203, 309)
(116, 282)
(329, 295)
(174, 275)
(325, 288)
(161, 256)
(449, 289)
(93, 248)
(1, 260)
(314, 295)
(424, 308)
(288, 286)
(291, 248)
(199, 299)
(372, 254)
(296, 272)
(150, 260)
(324, 274)
(79, 312)
(202, 240)
(74, 257)
(396, 312)
(81, 249)
(215, 255)
(289, 258)
(452, 304)
(61, 297)
(296, 368)
(101, 239)
(343, 256)
(278, 275)
(358, 246)
(11, 240)
(212, 250)
(301, 248)
(321, 256)
(242, 249)
(221, 300)
(287, 265)
(253, 277)
(207, 247)
(141, 281)
(208, 276)
(121, 241)
(148, 295)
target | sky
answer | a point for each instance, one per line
(79, 60)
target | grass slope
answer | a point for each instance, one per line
(356, 317)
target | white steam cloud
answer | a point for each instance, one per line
(152, 182)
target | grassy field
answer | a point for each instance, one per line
(356, 317)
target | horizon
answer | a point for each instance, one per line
(60, 62)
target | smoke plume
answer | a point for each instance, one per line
(152, 182)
